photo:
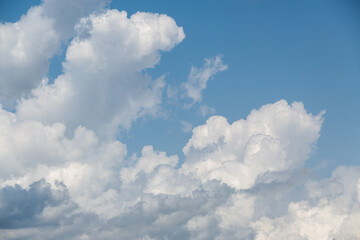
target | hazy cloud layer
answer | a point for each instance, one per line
(63, 174)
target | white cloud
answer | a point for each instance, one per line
(239, 203)
(277, 137)
(27, 144)
(22, 65)
(147, 164)
(27, 45)
(331, 212)
(198, 78)
(152, 197)
(102, 86)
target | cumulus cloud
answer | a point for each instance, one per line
(22, 66)
(27, 45)
(277, 137)
(330, 212)
(198, 78)
(152, 196)
(63, 174)
(21, 207)
(102, 86)
(27, 144)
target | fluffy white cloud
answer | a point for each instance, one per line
(198, 78)
(156, 173)
(27, 144)
(31, 150)
(237, 203)
(102, 86)
(27, 45)
(152, 197)
(331, 212)
(22, 65)
(277, 137)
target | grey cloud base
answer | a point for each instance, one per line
(20, 207)
(63, 174)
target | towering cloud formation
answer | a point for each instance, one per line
(102, 86)
(63, 174)
(273, 139)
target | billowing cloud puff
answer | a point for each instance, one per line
(102, 86)
(154, 197)
(275, 138)
(20, 207)
(28, 144)
(22, 66)
(331, 212)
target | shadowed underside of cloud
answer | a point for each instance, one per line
(63, 175)
(22, 207)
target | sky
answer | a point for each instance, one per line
(179, 119)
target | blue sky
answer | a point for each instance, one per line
(300, 51)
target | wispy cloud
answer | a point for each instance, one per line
(205, 110)
(199, 77)
(186, 126)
